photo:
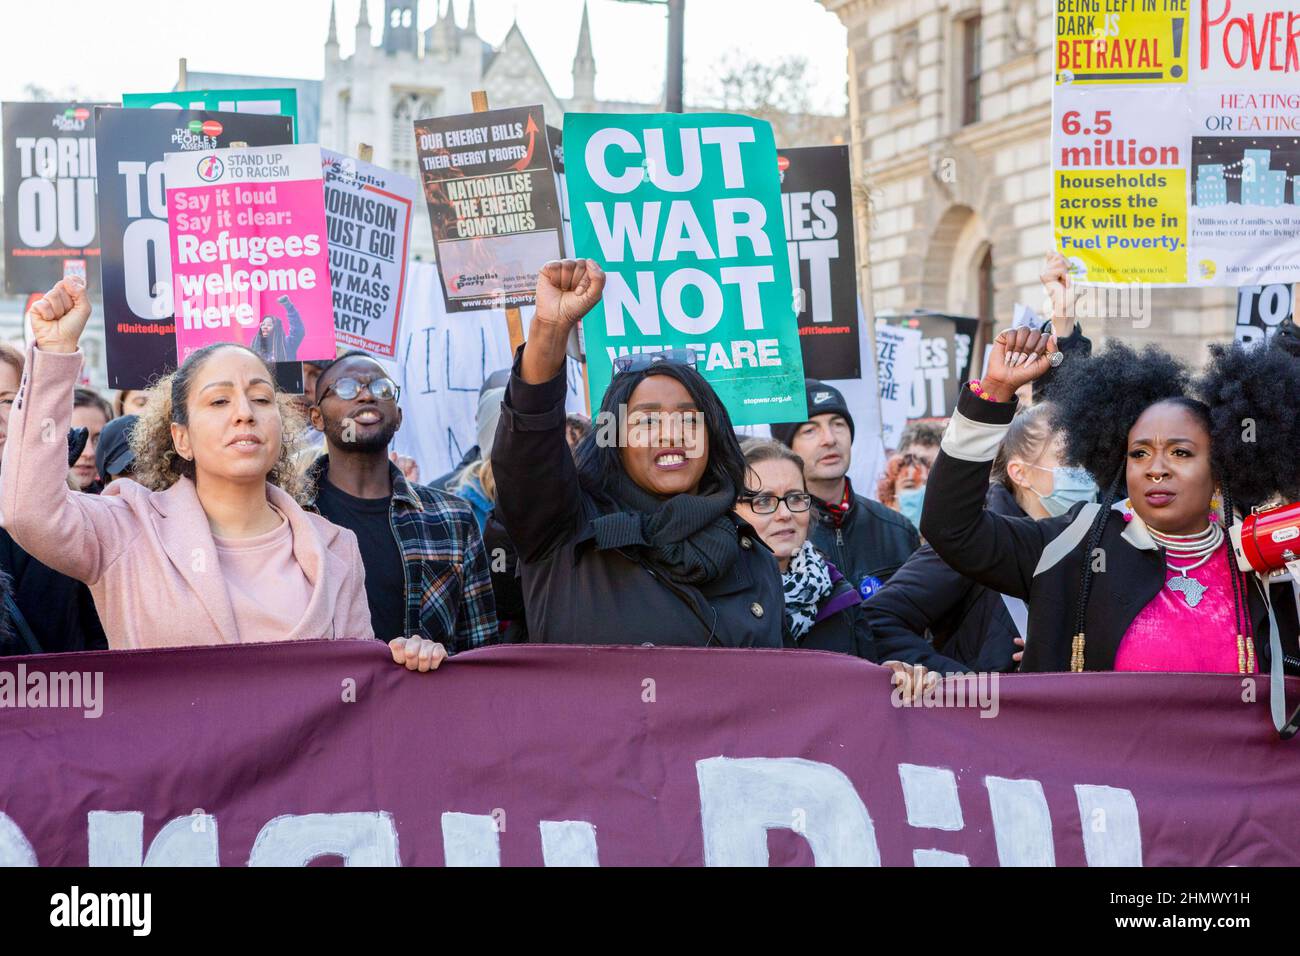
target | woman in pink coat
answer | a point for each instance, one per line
(208, 545)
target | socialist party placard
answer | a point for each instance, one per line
(368, 211)
(490, 186)
(683, 211)
(249, 262)
(1176, 141)
(270, 102)
(136, 263)
(49, 195)
(817, 202)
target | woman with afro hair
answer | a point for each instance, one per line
(1145, 579)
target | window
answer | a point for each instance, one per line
(408, 108)
(970, 71)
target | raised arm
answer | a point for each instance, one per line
(997, 551)
(76, 534)
(538, 499)
(297, 328)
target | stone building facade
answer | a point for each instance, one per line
(950, 116)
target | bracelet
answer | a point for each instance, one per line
(977, 389)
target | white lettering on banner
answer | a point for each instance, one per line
(15, 850)
(362, 839)
(657, 161)
(143, 242)
(645, 306)
(727, 138)
(61, 208)
(730, 229)
(117, 839)
(1111, 834)
(56, 192)
(470, 839)
(155, 193)
(568, 843)
(600, 141)
(740, 800)
(624, 230)
(939, 858)
(1022, 824)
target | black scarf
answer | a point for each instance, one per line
(689, 538)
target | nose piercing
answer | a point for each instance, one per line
(1157, 479)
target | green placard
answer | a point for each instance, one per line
(276, 102)
(684, 214)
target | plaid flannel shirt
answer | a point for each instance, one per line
(448, 584)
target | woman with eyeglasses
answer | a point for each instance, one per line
(637, 542)
(208, 544)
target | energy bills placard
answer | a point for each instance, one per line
(1176, 141)
(249, 262)
(490, 187)
(368, 211)
(683, 211)
(50, 225)
(139, 329)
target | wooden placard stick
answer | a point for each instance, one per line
(514, 324)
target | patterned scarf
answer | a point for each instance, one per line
(807, 582)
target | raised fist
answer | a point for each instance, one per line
(567, 290)
(1018, 356)
(60, 316)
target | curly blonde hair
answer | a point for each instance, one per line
(158, 466)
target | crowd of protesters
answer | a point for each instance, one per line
(211, 508)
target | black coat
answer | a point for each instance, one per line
(58, 609)
(841, 624)
(507, 587)
(1003, 553)
(873, 541)
(930, 614)
(577, 594)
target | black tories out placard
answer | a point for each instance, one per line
(817, 200)
(139, 327)
(49, 195)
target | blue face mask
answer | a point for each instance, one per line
(1069, 487)
(909, 504)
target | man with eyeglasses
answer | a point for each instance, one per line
(426, 567)
(865, 540)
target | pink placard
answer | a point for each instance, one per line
(248, 248)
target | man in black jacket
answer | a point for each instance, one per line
(867, 541)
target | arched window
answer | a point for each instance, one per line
(408, 108)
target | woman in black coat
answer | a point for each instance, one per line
(930, 614)
(1147, 578)
(823, 610)
(637, 542)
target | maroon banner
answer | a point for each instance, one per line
(280, 754)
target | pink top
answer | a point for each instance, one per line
(1170, 635)
(148, 556)
(268, 591)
